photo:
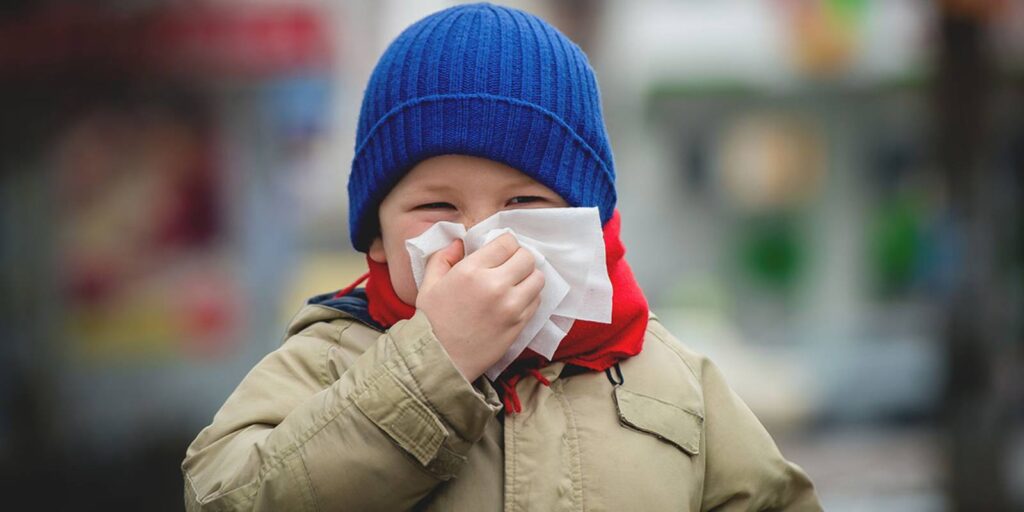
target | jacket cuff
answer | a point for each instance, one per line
(422, 401)
(463, 407)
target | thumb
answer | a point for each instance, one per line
(441, 262)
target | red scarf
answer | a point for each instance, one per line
(590, 345)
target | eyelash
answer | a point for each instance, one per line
(435, 206)
(443, 205)
(530, 199)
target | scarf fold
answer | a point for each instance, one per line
(591, 345)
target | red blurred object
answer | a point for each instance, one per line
(250, 40)
(237, 41)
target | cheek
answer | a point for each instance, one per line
(394, 244)
(409, 225)
(399, 265)
(402, 280)
(400, 271)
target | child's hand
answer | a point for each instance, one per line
(478, 305)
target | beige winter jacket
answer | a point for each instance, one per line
(344, 417)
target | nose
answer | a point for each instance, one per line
(469, 221)
(474, 216)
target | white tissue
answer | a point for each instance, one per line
(568, 246)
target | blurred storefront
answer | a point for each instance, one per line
(149, 151)
(785, 155)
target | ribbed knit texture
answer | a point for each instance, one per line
(486, 81)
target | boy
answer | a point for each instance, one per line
(376, 400)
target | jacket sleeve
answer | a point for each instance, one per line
(307, 431)
(744, 470)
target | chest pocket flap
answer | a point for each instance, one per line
(661, 419)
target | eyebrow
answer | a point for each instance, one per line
(531, 186)
(435, 187)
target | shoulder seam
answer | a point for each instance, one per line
(325, 375)
(336, 332)
(675, 350)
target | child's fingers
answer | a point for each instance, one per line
(528, 290)
(533, 283)
(530, 310)
(518, 267)
(496, 251)
(455, 252)
(441, 262)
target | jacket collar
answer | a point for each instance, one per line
(325, 307)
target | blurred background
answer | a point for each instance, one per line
(822, 195)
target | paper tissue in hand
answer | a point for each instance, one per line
(568, 246)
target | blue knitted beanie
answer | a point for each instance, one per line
(487, 81)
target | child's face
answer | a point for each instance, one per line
(454, 188)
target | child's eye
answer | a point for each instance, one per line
(436, 206)
(525, 199)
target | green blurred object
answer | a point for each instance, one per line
(850, 11)
(772, 252)
(896, 248)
